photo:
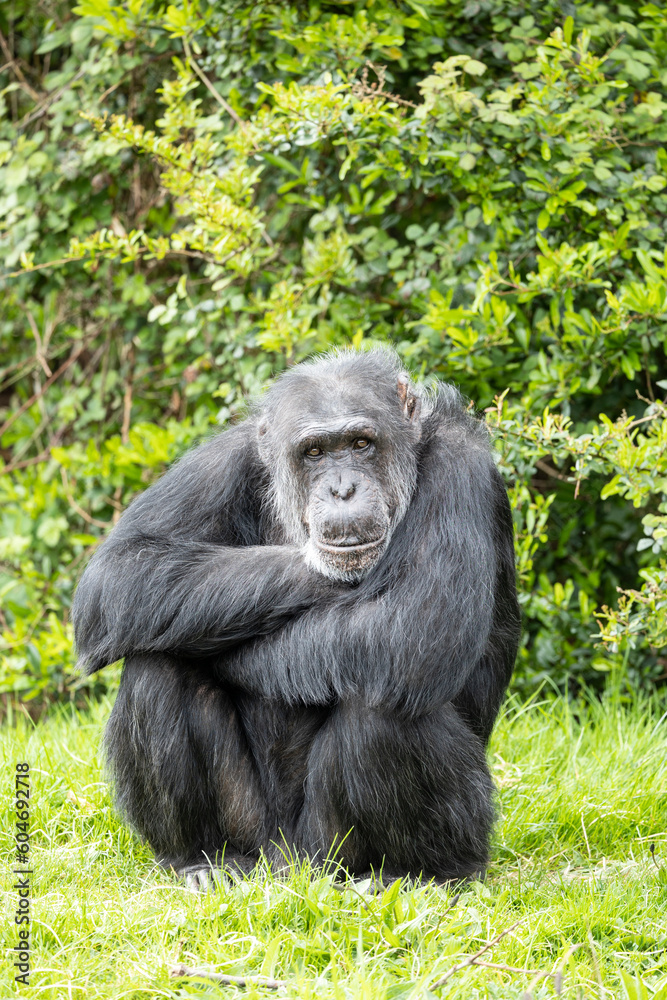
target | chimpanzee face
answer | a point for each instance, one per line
(349, 511)
(343, 469)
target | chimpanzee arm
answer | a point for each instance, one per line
(411, 634)
(184, 570)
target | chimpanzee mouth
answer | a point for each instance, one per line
(342, 548)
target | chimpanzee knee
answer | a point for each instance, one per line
(178, 759)
(415, 791)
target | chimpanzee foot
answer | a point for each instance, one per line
(205, 875)
(199, 880)
(204, 878)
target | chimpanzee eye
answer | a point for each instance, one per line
(361, 443)
(314, 452)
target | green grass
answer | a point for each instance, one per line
(582, 794)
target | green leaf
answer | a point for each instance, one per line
(51, 530)
(55, 40)
(568, 28)
(528, 70)
(467, 161)
(83, 539)
(656, 183)
(611, 488)
(633, 986)
(474, 67)
(281, 162)
(543, 219)
(472, 217)
(627, 366)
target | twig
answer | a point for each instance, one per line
(544, 467)
(110, 90)
(510, 968)
(209, 86)
(649, 387)
(39, 346)
(127, 399)
(112, 502)
(40, 392)
(223, 104)
(642, 420)
(49, 100)
(362, 89)
(537, 974)
(115, 86)
(118, 507)
(195, 254)
(17, 69)
(74, 505)
(12, 368)
(616, 44)
(184, 971)
(472, 959)
(40, 267)
(42, 457)
(26, 463)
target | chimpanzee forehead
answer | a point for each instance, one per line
(337, 391)
(340, 429)
(337, 408)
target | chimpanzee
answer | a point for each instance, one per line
(318, 616)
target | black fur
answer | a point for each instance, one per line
(264, 703)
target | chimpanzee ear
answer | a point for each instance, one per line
(411, 402)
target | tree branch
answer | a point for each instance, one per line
(183, 972)
(209, 86)
(42, 389)
(472, 959)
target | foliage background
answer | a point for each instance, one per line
(193, 196)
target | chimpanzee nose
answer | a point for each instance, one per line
(343, 491)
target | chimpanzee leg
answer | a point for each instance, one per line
(416, 793)
(181, 767)
(280, 737)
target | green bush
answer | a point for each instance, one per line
(194, 196)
